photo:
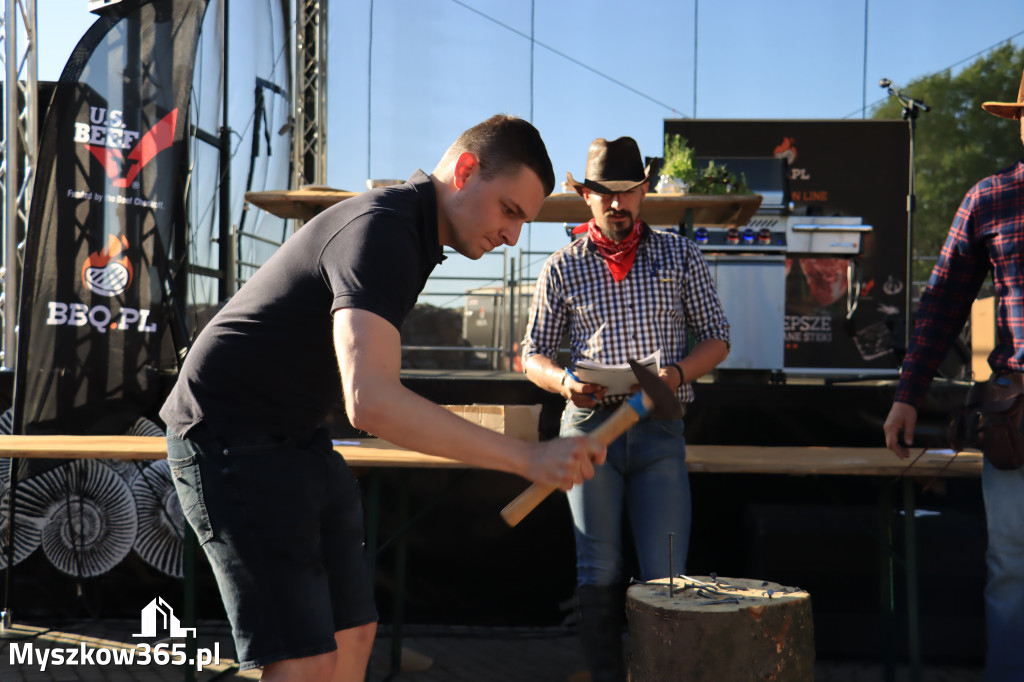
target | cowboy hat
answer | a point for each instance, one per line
(1007, 109)
(612, 167)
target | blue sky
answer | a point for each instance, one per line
(600, 68)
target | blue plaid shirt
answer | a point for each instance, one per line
(667, 293)
(987, 234)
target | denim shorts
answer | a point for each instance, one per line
(281, 523)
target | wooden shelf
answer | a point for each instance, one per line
(658, 209)
(297, 203)
(662, 209)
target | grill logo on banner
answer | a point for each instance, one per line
(104, 273)
(787, 150)
(107, 137)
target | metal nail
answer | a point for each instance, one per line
(671, 568)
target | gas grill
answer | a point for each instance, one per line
(748, 263)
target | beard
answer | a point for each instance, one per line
(617, 225)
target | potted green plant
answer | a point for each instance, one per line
(679, 172)
(678, 168)
(716, 179)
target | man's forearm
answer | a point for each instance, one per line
(704, 357)
(545, 373)
(411, 421)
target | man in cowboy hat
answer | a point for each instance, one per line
(623, 291)
(987, 234)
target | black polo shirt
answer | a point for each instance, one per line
(266, 362)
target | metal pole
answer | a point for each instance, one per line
(886, 589)
(511, 352)
(10, 247)
(224, 252)
(19, 149)
(321, 94)
(11, 164)
(911, 115)
(910, 555)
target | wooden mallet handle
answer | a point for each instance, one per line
(627, 414)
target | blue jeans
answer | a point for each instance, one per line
(645, 475)
(1004, 591)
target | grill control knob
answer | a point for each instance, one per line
(764, 236)
(700, 235)
(732, 235)
(748, 236)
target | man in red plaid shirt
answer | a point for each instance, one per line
(987, 234)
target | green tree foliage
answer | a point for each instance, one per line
(957, 142)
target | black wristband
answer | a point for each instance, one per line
(677, 368)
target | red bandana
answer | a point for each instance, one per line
(618, 255)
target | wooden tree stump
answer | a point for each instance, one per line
(764, 632)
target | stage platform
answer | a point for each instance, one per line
(822, 532)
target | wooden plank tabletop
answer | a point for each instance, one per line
(371, 452)
(84, 447)
(752, 459)
(658, 209)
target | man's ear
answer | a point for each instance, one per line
(465, 165)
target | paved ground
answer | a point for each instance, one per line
(431, 654)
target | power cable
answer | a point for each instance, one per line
(951, 66)
(563, 55)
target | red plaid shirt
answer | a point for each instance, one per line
(987, 234)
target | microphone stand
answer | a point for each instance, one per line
(911, 109)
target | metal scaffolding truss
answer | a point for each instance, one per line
(309, 94)
(20, 136)
(21, 122)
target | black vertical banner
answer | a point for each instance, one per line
(854, 168)
(107, 204)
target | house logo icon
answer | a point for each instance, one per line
(159, 613)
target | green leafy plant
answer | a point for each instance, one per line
(679, 161)
(716, 179)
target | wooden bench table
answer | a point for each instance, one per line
(371, 452)
(728, 459)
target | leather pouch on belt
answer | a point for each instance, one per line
(990, 420)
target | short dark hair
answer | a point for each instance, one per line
(501, 143)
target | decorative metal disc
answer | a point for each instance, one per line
(89, 513)
(130, 470)
(161, 522)
(28, 527)
(145, 427)
(127, 469)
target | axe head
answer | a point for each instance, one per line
(666, 405)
